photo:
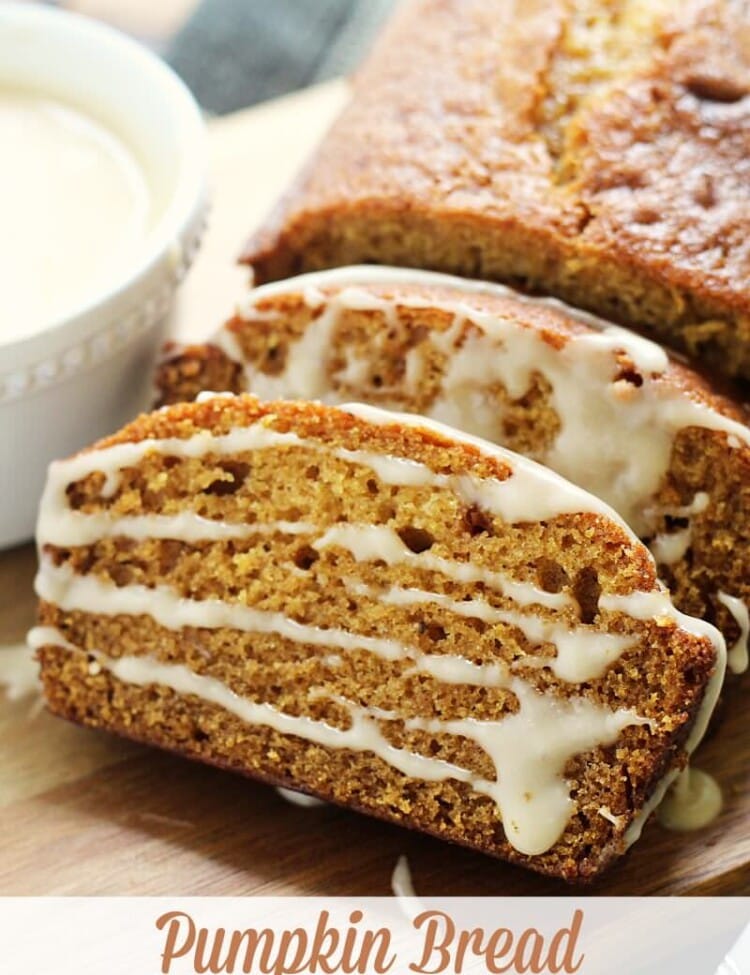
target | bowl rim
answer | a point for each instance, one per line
(174, 238)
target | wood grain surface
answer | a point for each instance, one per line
(84, 813)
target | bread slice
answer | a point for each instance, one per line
(378, 611)
(597, 150)
(604, 408)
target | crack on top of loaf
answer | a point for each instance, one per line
(601, 43)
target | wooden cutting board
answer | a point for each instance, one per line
(83, 813)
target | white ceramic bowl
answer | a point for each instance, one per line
(86, 374)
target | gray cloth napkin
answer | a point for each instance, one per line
(235, 53)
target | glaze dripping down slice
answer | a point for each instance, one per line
(376, 610)
(603, 407)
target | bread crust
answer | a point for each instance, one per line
(598, 151)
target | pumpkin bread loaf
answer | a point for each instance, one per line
(596, 150)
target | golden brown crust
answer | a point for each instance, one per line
(602, 156)
(220, 415)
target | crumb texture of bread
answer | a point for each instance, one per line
(363, 607)
(185, 372)
(606, 409)
(596, 150)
